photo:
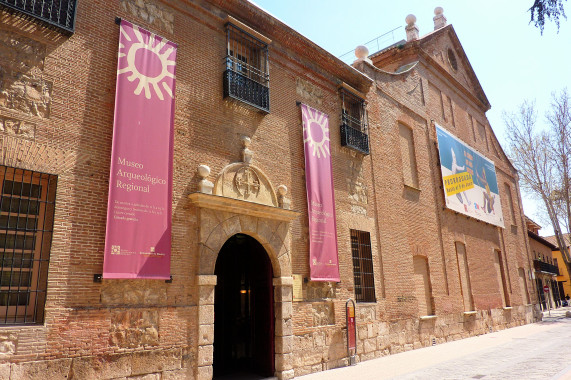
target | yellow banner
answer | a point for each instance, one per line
(457, 183)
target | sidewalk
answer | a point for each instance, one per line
(535, 351)
(556, 313)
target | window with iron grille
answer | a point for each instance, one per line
(246, 76)
(27, 202)
(354, 129)
(363, 266)
(58, 13)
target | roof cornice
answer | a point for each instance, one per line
(541, 240)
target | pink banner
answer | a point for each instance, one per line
(138, 236)
(323, 261)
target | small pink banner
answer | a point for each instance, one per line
(138, 236)
(323, 260)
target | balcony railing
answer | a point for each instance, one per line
(542, 266)
(249, 91)
(354, 138)
(59, 13)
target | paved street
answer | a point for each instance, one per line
(537, 351)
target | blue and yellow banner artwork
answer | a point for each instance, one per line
(469, 180)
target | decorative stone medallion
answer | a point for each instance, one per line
(247, 182)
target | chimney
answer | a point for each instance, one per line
(411, 28)
(439, 19)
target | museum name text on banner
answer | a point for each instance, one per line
(323, 259)
(138, 234)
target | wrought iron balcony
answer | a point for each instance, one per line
(542, 266)
(249, 91)
(354, 139)
(58, 13)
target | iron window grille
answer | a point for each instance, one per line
(363, 266)
(58, 13)
(27, 204)
(540, 294)
(246, 75)
(354, 126)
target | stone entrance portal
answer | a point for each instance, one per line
(242, 205)
(243, 310)
(220, 220)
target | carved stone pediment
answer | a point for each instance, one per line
(246, 182)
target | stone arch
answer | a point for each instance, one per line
(271, 234)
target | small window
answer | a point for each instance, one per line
(452, 60)
(510, 202)
(502, 283)
(410, 173)
(363, 266)
(482, 134)
(464, 273)
(246, 76)
(423, 286)
(57, 13)
(26, 223)
(354, 128)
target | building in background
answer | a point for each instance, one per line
(563, 278)
(545, 266)
(430, 230)
(427, 116)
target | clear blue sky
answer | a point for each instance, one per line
(512, 60)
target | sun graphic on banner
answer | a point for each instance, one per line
(317, 125)
(147, 80)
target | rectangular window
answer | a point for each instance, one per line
(540, 293)
(464, 273)
(408, 156)
(472, 125)
(363, 266)
(422, 286)
(523, 286)
(27, 203)
(500, 271)
(451, 107)
(482, 134)
(246, 76)
(58, 13)
(510, 202)
(354, 129)
(442, 105)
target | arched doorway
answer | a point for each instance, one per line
(243, 310)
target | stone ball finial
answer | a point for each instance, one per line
(361, 52)
(439, 19)
(203, 171)
(204, 186)
(246, 141)
(283, 202)
(410, 19)
(282, 190)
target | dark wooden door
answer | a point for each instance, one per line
(243, 310)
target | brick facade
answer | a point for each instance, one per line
(56, 116)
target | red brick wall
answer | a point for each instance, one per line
(156, 323)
